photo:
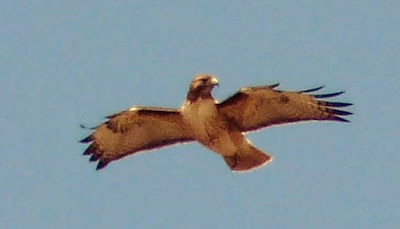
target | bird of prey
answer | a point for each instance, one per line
(219, 126)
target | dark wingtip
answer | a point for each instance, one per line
(328, 95)
(94, 157)
(274, 85)
(101, 165)
(89, 150)
(339, 119)
(312, 89)
(87, 139)
(336, 104)
(338, 112)
(87, 128)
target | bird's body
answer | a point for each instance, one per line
(219, 127)
(207, 127)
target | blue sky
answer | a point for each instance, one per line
(64, 63)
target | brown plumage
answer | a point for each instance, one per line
(218, 126)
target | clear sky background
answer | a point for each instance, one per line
(66, 63)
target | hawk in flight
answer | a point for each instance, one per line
(219, 126)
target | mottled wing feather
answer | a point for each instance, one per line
(135, 130)
(257, 107)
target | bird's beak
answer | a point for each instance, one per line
(214, 81)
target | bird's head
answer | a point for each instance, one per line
(201, 86)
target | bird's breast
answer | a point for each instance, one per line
(208, 128)
(200, 116)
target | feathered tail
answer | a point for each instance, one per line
(253, 158)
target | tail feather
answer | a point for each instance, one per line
(247, 161)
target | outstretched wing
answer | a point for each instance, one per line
(257, 107)
(134, 130)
